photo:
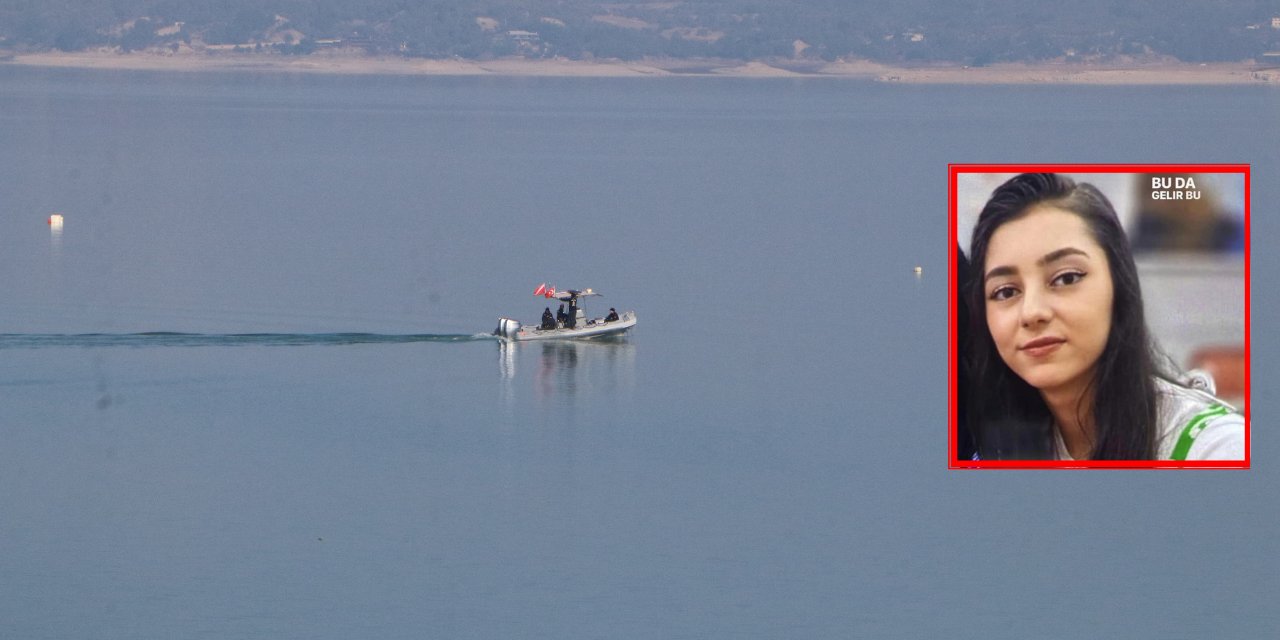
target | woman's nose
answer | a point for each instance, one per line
(1035, 308)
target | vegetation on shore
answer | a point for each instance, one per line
(891, 31)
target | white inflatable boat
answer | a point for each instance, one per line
(572, 325)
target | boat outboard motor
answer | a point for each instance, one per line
(507, 328)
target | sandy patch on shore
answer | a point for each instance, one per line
(569, 68)
(359, 64)
(757, 70)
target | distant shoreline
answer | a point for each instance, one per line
(1136, 73)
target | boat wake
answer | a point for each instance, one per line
(170, 339)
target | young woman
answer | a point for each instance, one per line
(1063, 366)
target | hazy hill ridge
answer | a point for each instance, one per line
(898, 31)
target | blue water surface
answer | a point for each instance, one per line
(246, 392)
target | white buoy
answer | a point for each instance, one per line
(55, 222)
(919, 270)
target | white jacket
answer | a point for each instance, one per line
(1194, 425)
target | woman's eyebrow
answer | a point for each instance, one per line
(1060, 254)
(1002, 270)
(1052, 256)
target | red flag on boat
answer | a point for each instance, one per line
(542, 289)
(551, 293)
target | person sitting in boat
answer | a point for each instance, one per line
(548, 320)
(561, 316)
(613, 315)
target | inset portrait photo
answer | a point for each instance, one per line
(1099, 316)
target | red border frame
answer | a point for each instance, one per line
(954, 170)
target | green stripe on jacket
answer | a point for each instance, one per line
(1193, 429)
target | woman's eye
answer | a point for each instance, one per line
(1068, 278)
(1003, 293)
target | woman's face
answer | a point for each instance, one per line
(1048, 294)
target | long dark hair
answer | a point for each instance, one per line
(1016, 422)
(966, 445)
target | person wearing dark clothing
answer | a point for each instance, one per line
(571, 318)
(561, 316)
(548, 320)
(613, 315)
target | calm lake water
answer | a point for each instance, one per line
(764, 457)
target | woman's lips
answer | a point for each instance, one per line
(1041, 347)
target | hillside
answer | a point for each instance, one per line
(902, 31)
